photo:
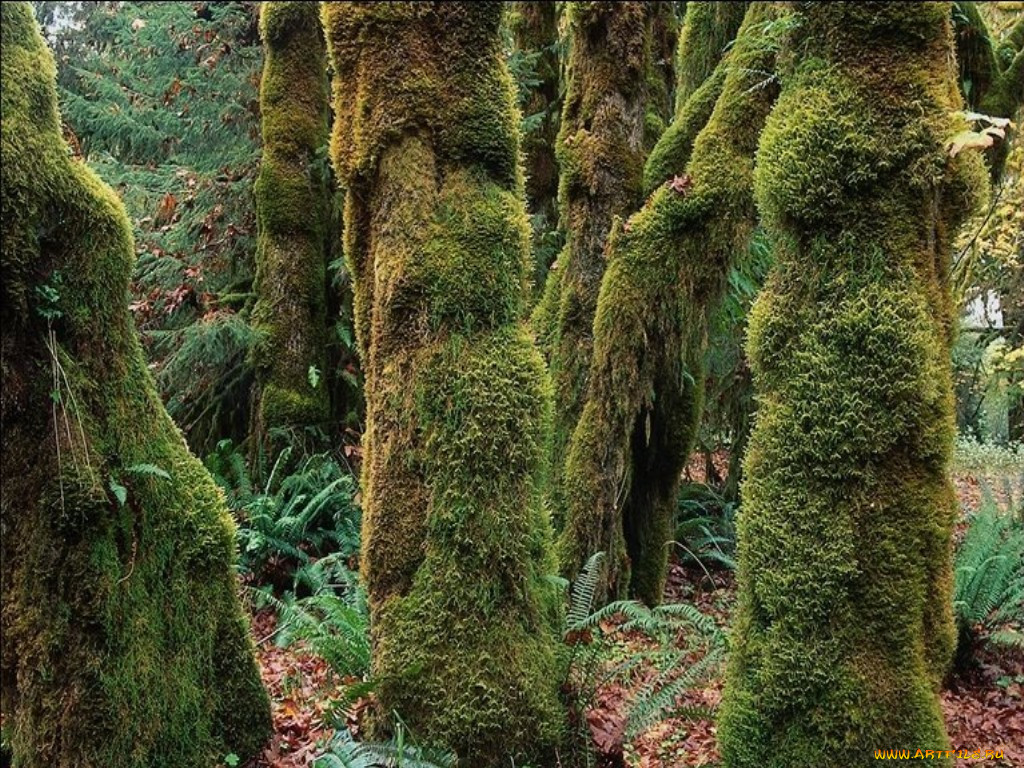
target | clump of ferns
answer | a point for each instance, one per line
(688, 650)
(332, 621)
(294, 520)
(401, 751)
(988, 591)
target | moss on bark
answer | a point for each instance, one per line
(708, 29)
(601, 155)
(844, 629)
(292, 203)
(456, 541)
(124, 645)
(666, 266)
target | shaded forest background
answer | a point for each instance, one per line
(163, 100)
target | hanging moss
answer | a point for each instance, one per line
(843, 629)
(601, 154)
(456, 542)
(292, 201)
(666, 266)
(124, 645)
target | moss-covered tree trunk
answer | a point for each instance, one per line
(456, 543)
(666, 267)
(293, 206)
(708, 29)
(535, 25)
(844, 625)
(601, 154)
(124, 644)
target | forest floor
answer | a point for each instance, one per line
(984, 708)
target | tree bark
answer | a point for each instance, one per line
(601, 153)
(293, 207)
(456, 540)
(124, 645)
(666, 267)
(535, 25)
(844, 625)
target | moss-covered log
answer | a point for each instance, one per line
(666, 267)
(292, 203)
(535, 26)
(124, 645)
(601, 153)
(456, 542)
(844, 626)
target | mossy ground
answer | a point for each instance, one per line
(124, 645)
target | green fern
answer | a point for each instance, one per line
(294, 521)
(581, 599)
(334, 622)
(690, 649)
(345, 752)
(988, 599)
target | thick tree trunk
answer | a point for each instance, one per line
(456, 542)
(844, 625)
(124, 645)
(666, 268)
(293, 206)
(601, 151)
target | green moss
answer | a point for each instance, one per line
(123, 641)
(843, 629)
(456, 540)
(666, 265)
(708, 29)
(290, 313)
(601, 152)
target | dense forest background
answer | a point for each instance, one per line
(163, 101)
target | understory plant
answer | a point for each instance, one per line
(293, 520)
(706, 527)
(688, 650)
(988, 594)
